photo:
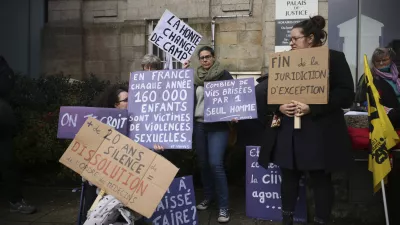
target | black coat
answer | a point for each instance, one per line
(250, 132)
(329, 130)
(7, 119)
(387, 94)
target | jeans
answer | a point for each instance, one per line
(210, 149)
(322, 187)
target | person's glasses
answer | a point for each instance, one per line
(123, 100)
(382, 61)
(206, 57)
(294, 39)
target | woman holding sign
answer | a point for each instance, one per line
(113, 97)
(211, 139)
(322, 145)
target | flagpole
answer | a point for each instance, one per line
(384, 202)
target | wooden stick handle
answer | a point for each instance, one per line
(297, 122)
(99, 196)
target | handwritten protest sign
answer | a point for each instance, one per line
(263, 190)
(71, 119)
(178, 206)
(133, 174)
(228, 99)
(175, 37)
(301, 75)
(161, 105)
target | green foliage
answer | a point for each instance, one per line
(36, 104)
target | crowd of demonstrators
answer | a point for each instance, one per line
(386, 80)
(8, 167)
(314, 149)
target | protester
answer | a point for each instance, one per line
(109, 208)
(386, 80)
(115, 96)
(322, 145)
(151, 62)
(8, 168)
(211, 139)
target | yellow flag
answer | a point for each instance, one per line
(382, 135)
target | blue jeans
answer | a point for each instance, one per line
(210, 149)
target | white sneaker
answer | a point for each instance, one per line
(223, 216)
(203, 205)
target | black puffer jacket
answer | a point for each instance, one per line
(7, 118)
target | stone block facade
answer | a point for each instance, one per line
(109, 37)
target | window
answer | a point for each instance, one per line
(153, 49)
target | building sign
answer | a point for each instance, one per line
(287, 14)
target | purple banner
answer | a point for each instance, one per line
(161, 105)
(178, 206)
(71, 119)
(229, 99)
(263, 190)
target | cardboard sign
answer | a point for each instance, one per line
(175, 37)
(178, 206)
(301, 75)
(228, 99)
(133, 174)
(71, 119)
(161, 107)
(263, 191)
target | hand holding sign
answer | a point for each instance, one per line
(229, 100)
(161, 108)
(300, 77)
(175, 37)
(301, 109)
(136, 176)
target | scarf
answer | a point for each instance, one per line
(213, 74)
(393, 75)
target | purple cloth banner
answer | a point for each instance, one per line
(178, 206)
(229, 99)
(71, 119)
(263, 190)
(161, 108)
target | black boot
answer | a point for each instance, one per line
(287, 218)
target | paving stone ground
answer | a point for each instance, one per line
(59, 206)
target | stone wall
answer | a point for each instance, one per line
(109, 37)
